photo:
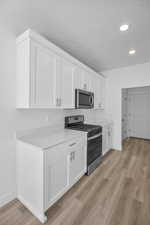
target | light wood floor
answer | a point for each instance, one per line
(117, 193)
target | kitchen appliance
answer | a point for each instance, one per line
(84, 99)
(94, 140)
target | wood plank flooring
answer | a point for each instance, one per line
(117, 193)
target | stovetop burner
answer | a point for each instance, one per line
(77, 123)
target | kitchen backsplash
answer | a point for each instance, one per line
(31, 119)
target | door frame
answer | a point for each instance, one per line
(124, 88)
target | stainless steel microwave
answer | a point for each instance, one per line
(84, 99)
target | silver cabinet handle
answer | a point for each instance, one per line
(100, 105)
(72, 156)
(84, 86)
(60, 101)
(57, 102)
(92, 100)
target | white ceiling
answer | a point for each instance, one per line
(88, 29)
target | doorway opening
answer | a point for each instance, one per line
(136, 113)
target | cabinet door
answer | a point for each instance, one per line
(104, 141)
(97, 88)
(110, 135)
(87, 81)
(56, 173)
(77, 160)
(43, 72)
(58, 83)
(107, 138)
(82, 79)
(98, 92)
(78, 78)
(93, 82)
(68, 93)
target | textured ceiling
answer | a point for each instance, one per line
(87, 29)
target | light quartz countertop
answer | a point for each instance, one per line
(47, 137)
(103, 122)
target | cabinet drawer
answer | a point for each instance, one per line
(58, 151)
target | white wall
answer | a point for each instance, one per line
(12, 119)
(133, 76)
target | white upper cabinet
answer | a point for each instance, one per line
(78, 78)
(47, 76)
(45, 80)
(99, 88)
(36, 75)
(43, 75)
(58, 84)
(83, 79)
(86, 81)
(68, 93)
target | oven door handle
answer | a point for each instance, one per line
(92, 100)
(95, 136)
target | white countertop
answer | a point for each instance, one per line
(103, 122)
(47, 137)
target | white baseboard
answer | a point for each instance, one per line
(39, 215)
(7, 198)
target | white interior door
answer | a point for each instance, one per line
(139, 114)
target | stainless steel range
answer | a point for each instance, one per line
(94, 140)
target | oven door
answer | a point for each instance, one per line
(84, 99)
(94, 148)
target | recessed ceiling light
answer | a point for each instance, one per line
(124, 27)
(132, 52)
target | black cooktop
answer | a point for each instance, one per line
(77, 123)
(84, 127)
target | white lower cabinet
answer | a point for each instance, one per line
(56, 173)
(43, 176)
(107, 137)
(76, 159)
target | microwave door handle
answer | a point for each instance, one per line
(92, 100)
(77, 98)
